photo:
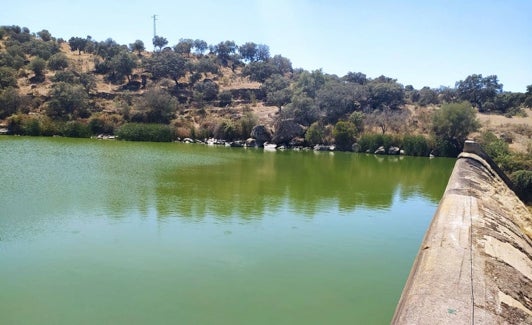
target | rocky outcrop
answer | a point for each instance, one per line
(286, 130)
(475, 262)
(261, 134)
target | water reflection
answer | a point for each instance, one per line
(249, 184)
(117, 178)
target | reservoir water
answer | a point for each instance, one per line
(111, 232)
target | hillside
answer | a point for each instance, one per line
(83, 87)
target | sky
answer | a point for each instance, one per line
(421, 43)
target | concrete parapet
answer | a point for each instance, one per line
(475, 262)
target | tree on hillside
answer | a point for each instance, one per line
(11, 102)
(206, 91)
(200, 46)
(225, 51)
(68, 102)
(248, 51)
(386, 93)
(356, 77)
(282, 65)
(263, 52)
(427, 96)
(159, 42)
(277, 89)
(45, 35)
(58, 61)
(259, 71)
(205, 65)
(157, 106)
(303, 109)
(38, 65)
(109, 48)
(528, 94)
(451, 125)
(478, 90)
(309, 83)
(7, 77)
(335, 99)
(184, 47)
(77, 44)
(138, 46)
(122, 65)
(387, 119)
(167, 65)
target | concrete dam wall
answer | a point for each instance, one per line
(474, 265)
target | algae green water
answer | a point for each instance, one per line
(105, 232)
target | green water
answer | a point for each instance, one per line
(104, 232)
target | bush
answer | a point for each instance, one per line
(65, 76)
(75, 129)
(247, 122)
(7, 77)
(225, 98)
(99, 125)
(58, 61)
(416, 145)
(314, 134)
(38, 65)
(10, 102)
(451, 125)
(370, 142)
(496, 148)
(146, 132)
(522, 181)
(226, 130)
(21, 124)
(344, 135)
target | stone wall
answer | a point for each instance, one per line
(475, 263)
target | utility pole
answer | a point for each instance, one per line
(154, 25)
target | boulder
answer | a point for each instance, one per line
(297, 142)
(250, 142)
(286, 130)
(261, 134)
(380, 151)
(324, 147)
(394, 150)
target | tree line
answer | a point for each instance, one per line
(160, 86)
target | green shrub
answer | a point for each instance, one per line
(99, 125)
(416, 145)
(314, 134)
(496, 148)
(446, 147)
(146, 132)
(344, 135)
(22, 124)
(58, 61)
(65, 76)
(75, 129)
(226, 130)
(370, 142)
(247, 122)
(522, 181)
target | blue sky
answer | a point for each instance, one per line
(422, 43)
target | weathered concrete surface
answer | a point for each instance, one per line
(475, 263)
